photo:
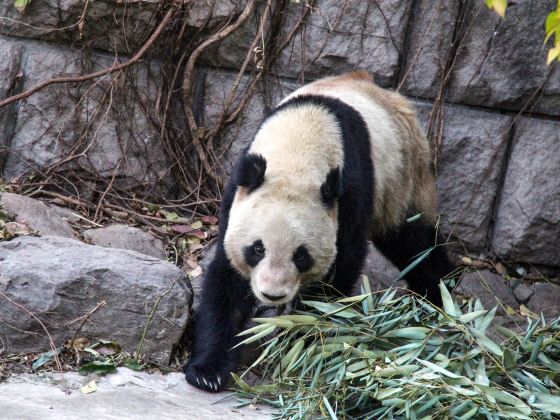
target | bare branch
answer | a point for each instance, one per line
(76, 79)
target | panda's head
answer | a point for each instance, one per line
(281, 236)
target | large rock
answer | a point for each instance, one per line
(471, 155)
(527, 228)
(36, 214)
(501, 63)
(98, 126)
(60, 280)
(125, 394)
(490, 288)
(126, 237)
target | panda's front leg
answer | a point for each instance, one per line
(226, 302)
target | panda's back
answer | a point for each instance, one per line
(400, 152)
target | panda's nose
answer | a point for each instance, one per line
(273, 298)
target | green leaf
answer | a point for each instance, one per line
(279, 322)
(439, 369)
(256, 329)
(98, 367)
(486, 342)
(414, 263)
(134, 364)
(172, 216)
(333, 309)
(21, 5)
(329, 409)
(45, 357)
(499, 6)
(468, 317)
(552, 25)
(448, 305)
(553, 54)
(268, 330)
(410, 333)
(414, 218)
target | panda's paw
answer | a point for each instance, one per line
(208, 378)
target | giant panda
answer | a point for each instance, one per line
(337, 162)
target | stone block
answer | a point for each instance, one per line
(103, 126)
(336, 37)
(527, 227)
(430, 38)
(469, 168)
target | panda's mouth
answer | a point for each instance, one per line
(274, 298)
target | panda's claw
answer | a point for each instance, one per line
(207, 378)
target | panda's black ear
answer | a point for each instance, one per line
(331, 189)
(249, 172)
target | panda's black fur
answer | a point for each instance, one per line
(227, 300)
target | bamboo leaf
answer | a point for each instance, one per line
(448, 305)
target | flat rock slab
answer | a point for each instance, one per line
(124, 395)
(126, 237)
(60, 280)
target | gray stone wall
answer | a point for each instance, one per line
(480, 83)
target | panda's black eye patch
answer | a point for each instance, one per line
(302, 259)
(250, 170)
(254, 253)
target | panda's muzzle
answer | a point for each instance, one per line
(273, 298)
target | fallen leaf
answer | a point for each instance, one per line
(182, 228)
(210, 220)
(98, 367)
(196, 246)
(197, 272)
(89, 388)
(191, 263)
(107, 348)
(500, 269)
(134, 364)
(45, 357)
(527, 312)
(198, 234)
(80, 343)
(196, 225)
